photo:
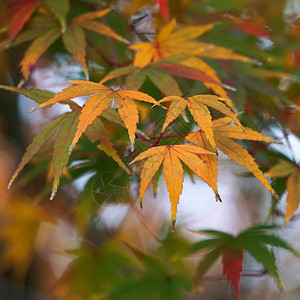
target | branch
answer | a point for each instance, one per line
(256, 273)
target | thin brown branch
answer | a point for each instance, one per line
(255, 273)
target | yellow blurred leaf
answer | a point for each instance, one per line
(293, 197)
(20, 221)
(287, 169)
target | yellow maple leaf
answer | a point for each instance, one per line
(20, 221)
(170, 156)
(224, 135)
(101, 98)
(197, 105)
(201, 141)
(287, 169)
(168, 43)
(73, 36)
(171, 43)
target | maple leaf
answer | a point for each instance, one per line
(232, 261)
(170, 156)
(137, 76)
(37, 48)
(200, 65)
(197, 105)
(75, 42)
(87, 21)
(168, 43)
(102, 97)
(60, 9)
(224, 135)
(182, 41)
(20, 12)
(290, 170)
(254, 240)
(97, 132)
(161, 72)
(73, 35)
(65, 126)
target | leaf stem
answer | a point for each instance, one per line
(256, 273)
(167, 136)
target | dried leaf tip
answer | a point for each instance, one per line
(280, 285)
(71, 149)
(218, 197)
(255, 62)
(131, 146)
(228, 87)
(173, 225)
(276, 197)
(10, 183)
(125, 41)
(33, 109)
(141, 204)
(53, 194)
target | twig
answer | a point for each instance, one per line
(286, 137)
(168, 136)
(258, 273)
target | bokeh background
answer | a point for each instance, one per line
(76, 246)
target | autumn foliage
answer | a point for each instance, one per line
(176, 85)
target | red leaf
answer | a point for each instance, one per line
(188, 72)
(249, 27)
(21, 16)
(164, 8)
(232, 260)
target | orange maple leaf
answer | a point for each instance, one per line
(73, 37)
(170, 43)
(288, 169)
(170, 156)
(224, 135)
(197, 105)
(101, 98)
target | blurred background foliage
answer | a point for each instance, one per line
(92, 241)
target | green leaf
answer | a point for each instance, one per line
(37, 143)
(61, 147)
(117, 73)
(204, 244)
(112, 115)
(97, 132)
(135, 79)
(207, 262)
(60, 9)
(165, 82)
(38, 96)
(87, 207)
(264, 256)
(75, 42)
